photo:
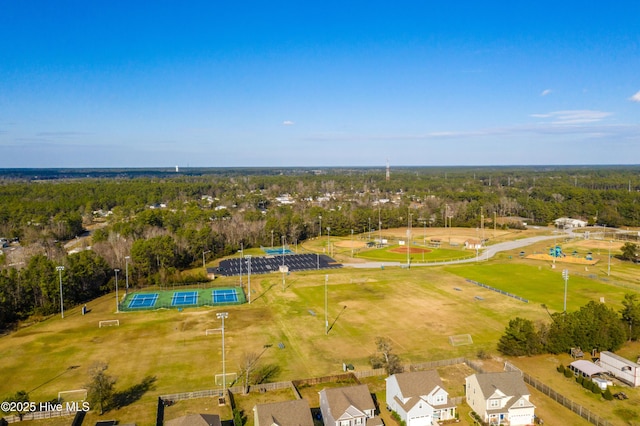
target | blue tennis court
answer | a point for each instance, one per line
(181, 298)
(143, 300)
(224, 296)
(277, 251)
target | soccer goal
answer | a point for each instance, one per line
(210, 331)
(232, 378)
(76, 395)
(461, 340)
(108, 323)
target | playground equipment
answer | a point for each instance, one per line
(556, 252)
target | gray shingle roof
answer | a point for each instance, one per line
(340, 399)
(286, 413)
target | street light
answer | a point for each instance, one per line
(352, 243)
(609, 264)
(565, 276)
(283, 284)
(248, 257)
(326, 301)
(222, 316)
(126, 268)
(320, 226)
(203, 264)
(117, 301)
(272, 238)
(60, 269)
(328, 240)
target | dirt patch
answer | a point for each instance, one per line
(412, 250)
(568, 259)
(350, 244)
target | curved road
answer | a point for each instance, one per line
(489, 252)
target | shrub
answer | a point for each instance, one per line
(560, 369)
(607, 394)
(568, 373)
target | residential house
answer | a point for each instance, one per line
(195, 420)
(500, 398)
(286, 413)
(419, 398)
(348, 406)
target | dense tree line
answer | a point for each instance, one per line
(594, 325)
(219, 213)
(35, 289)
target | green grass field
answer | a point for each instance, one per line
(417, 308)
(394, 254)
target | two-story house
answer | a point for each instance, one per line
(419, 398)
(286, 413)
(500, 398)
(348, 406)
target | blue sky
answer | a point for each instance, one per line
(155, 84)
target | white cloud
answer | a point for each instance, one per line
(546, 92)
(288, 123)
(572, 117)
(636, 97)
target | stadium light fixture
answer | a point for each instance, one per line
(222, 316)
(117, 301)
(203, 258)
(565, 276)
(248, 257)
(126, 268)
(60, 269)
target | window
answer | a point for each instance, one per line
(440, 399)
(344, 423)
(494, 403)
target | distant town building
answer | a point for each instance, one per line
(567, 222)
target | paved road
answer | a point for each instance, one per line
(489, 252)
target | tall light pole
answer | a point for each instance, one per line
(352, 243)
(222, 316)
(203, 264)
(565, 276)
(60, 269)
(369, 229)
(248, 257)
(126, 272)
(328, 240)
(283, 284)
(272, 238)
(326, 305)
(117, 300)
(609, 264)
(320, 226)
(409, 240)
(241, 257)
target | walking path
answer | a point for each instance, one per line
(488, 252)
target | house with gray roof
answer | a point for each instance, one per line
(500, 398)
(286, 413)
(348, 406)
(419, 398)
(195, 420)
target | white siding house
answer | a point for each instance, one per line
(348, 406)
(500, 398)
(419, 398)
(621, 368)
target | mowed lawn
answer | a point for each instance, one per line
(541, 284)
(395, 254)
(417, 308)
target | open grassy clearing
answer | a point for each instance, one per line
(418, 308)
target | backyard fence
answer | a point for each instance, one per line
(559, 398)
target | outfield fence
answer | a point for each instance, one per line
(498, 291)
